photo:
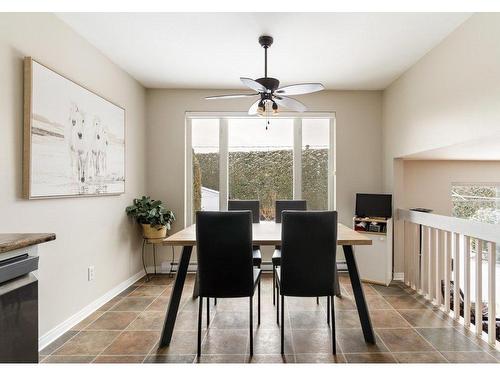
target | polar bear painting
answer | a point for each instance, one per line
(77, 139)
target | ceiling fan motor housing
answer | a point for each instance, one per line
(269, 83)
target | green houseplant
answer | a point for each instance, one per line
(154, 218)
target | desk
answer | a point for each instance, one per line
(266, 233)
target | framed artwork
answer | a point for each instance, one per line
(74, 139)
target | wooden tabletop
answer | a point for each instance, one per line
(264, 233)
(13, 241)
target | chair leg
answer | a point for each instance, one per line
(328, 310)
(274, 286)
(334, 345)
(208, 312)
(336, 285)
(278, 305)
(317, 300)
(258, 303)
(200, 310)
(282, 325)
(215, 301)
(251, 326)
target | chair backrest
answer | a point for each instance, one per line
(224, 252)
(238, 205)
(308, 252)
(296, 205)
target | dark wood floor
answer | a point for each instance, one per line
(127, 329)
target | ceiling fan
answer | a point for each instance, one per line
(271, 96)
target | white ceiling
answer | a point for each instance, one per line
(347, 51)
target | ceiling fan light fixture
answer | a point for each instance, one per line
(275, 108)
(266, 108)
(261, 109)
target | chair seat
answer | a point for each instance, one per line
(257, 257)
(276, 257)
(277, 273)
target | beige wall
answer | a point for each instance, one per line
(359, 142)
(90, 231)
(427, 183)
(450, 96)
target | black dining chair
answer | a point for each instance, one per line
(254, 207)
(313, 275)
(225, 264)
(281, 205)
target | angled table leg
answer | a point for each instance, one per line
(175, 298)
(359, 295)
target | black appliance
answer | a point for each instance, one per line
(18, 309)
(374, 205)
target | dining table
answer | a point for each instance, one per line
(265, 233)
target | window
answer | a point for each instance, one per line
(261, 162)
(314, 154)
(239, 157)
(205, 164)
(480, 202)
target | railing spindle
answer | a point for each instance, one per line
(479, 288)
(431, 268)
(467, 306)
(415, 257)
(447, 270)
(424, 277)
(456, 275)
(418, 256)
(410, 254)
(439, 251)
(491, 293)
(405, 251)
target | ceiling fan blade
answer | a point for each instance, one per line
(299, 89)
(253, 108)
(230, 96)
(290, 103)
(254, 85)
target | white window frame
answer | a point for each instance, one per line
(224, 118)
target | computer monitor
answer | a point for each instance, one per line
(374, 205)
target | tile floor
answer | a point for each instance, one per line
(127, 330)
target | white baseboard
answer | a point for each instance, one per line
(60, 329)
(399, 276)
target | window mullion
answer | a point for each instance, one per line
(223, 164)
(297, 158)
(332, 168)
(188, 203)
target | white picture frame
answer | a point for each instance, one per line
(74, 139)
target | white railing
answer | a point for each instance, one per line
(437, 257)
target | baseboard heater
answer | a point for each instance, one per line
(341, 267)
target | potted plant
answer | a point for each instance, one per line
(154, 218)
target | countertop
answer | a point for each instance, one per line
(13, 241)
